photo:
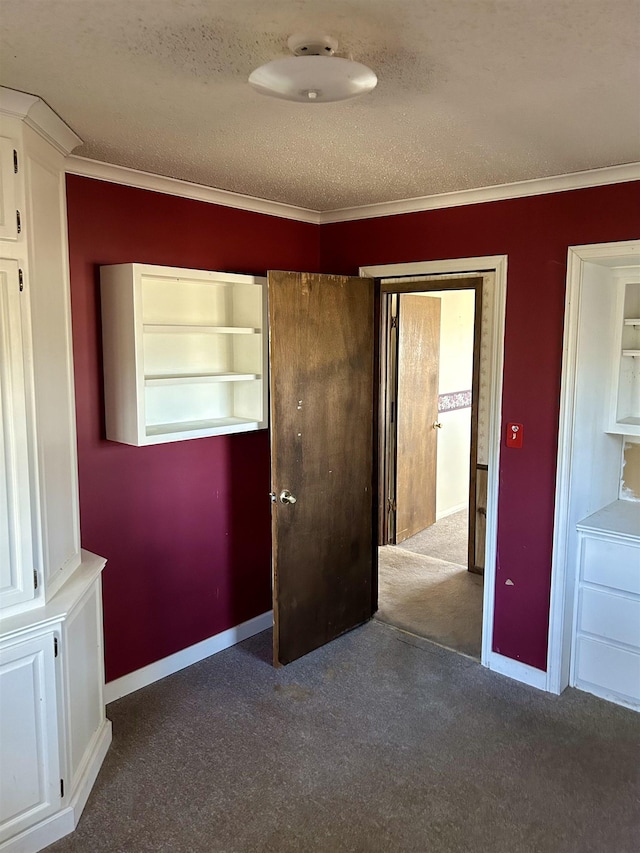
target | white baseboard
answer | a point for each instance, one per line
(167, 666)
(90, 773)
(452, 511)
(517, 670)
(65, 821)
(609, 695)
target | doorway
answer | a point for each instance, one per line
(430, 558)
(314, 360)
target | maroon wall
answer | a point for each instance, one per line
(534, 233)
(184, 526)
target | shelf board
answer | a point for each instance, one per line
(191, 328)
(630, 421)
(631, 353)
(153, 430)
(621, 517)
(193, 378)
(632, 321)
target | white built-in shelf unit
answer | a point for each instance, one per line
(184, 353)
(625, 402)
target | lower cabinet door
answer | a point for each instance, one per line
(29, 758)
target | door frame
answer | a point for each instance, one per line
(563, 560)
(433, 284)
(496, 265)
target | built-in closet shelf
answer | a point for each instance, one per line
(188, 328)
(623, 416)
(194, 429)
(184, 353)
(181, 379)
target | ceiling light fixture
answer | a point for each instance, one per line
(313, 74)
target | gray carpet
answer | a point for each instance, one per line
(377, 743)
(447, 539)
(430, 598)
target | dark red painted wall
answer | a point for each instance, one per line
(185, 526)
(534, 233)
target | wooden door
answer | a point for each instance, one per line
(417, 413)
(321, 347)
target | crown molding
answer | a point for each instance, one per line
(40, 117)
(87, 168)
(500, 192)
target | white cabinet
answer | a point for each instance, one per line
(606, 657)
(184, 353)
(30, 778)
(625, 398)
(36, 306)
(53, 729)
(17, 558)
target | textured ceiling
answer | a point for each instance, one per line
(471, 93)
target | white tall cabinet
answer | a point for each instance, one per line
(53, 730)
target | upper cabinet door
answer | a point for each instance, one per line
(16, 548)
(8, 195)
(321, 336)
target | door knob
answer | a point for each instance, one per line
(286, 497)
(437, 425)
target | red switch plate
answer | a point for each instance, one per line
(514, 435)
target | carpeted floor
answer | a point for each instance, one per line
(431, 598)
(424, 586)
(377, 743)
(447, 539)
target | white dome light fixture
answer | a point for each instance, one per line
(313, 75)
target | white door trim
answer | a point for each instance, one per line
(562, 562)
(496, 264)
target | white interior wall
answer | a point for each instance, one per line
(596, 462)
(455, 375)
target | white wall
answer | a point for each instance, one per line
(456, 372)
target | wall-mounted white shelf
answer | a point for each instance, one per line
(180, 379)
(190, 328)
(184, 353)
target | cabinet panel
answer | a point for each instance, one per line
(16, 546)
(601, 667)
(30, 778)
(8, 195)
(47, 284)
(84, 677)
(612, 617)
(611, 564)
